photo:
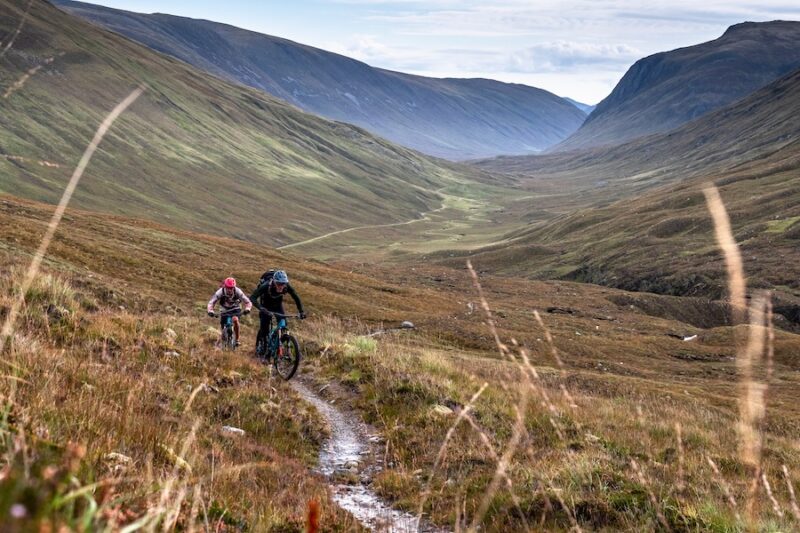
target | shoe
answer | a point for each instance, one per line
(236, 344)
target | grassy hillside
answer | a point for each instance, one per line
(599, 446)
(758, 128)
(194, 151)
(663, 241)
(641, 236)
(452, 118)
(666, 90)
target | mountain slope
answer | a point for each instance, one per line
(194, 151)
(665, 90)
(635, 217)
(748, 131)
(451, 118)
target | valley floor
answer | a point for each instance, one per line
(462, 222)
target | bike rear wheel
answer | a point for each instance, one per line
(287, 360)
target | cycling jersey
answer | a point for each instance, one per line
(229, 302)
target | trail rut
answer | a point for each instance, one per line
(345, 453)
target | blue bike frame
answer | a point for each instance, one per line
(274, 338)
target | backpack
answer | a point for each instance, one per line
(267, 276)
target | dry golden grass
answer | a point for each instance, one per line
(756, 355)
(105, 427)
(613, 400)
(589, 458)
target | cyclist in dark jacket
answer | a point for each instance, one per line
(268, 297)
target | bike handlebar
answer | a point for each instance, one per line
(234, 313)
(279, 315)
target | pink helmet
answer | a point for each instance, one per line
(230, 283)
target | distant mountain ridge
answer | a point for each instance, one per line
(668, 89)
(586, 108)
(456, 119)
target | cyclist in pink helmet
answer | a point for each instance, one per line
(230, 298)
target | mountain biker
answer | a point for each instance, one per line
(230, 298)
(268, 297)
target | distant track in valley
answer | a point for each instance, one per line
(422, 217)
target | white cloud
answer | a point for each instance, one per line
(568, 55)
(365, 48)
(556, 56)
(583, 71)
(604, 18)
(555, 43)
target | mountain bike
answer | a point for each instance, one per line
(228, 336)
(281, 347)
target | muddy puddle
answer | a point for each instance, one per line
(345, 456)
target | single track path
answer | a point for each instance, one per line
(343, 456)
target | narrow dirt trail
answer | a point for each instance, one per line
(344, 453)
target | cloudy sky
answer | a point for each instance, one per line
(574, 48)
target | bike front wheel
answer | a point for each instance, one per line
(287, 360)
(229, 340)
(261, 349)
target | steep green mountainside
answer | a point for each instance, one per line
(194, 151)
(452, 118)
(638, 219)
(666, 90)
(762, 125)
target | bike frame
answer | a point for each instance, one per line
(275, 334)
(273, 345)
(227, 332)
(274, 337)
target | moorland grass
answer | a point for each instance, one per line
(573, 461)
(114, 418)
